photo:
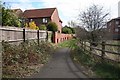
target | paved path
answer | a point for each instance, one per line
(60, 66)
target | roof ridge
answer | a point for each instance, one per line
(40, 9)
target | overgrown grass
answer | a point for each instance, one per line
(100, 69)
(17, 59)
(70, 43)
(107, 70)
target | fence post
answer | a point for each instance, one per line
(38, 36)
(84, 45)
(23, 35)
(46, 35)
(90, 47)
(81, 44)
(103, 50)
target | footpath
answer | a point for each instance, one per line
(60, 66)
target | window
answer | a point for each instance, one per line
(31, 20)
(58, 31)
(44, 20)
(110, 24)
(116, 30)
(118, 25)
(117, 22)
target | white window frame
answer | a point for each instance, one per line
(31, 20)
(44, 20)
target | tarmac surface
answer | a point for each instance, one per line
(60, 66)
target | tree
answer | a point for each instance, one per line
(71, 23)
(81, 33)
(52, 26)
(9, 18)
(72, 29)
(94, 21)
(42, 27)
(0, 13)
(67, 30)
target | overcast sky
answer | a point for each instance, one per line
(68, 9)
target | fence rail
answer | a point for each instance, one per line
(102, 50)
(107, 44)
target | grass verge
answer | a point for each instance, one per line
(96, 68)
(69, 43)
(100, 69)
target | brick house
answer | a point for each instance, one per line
(43, 16)
(18, 12)
(114, 28)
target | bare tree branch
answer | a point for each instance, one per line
(94, 20)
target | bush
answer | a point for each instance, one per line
(32, 25)
(72, 29)
(16, 58)
(9, 18)
(51, 26)
(42, 27)
(66, 30)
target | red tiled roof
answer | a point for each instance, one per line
(34, 13)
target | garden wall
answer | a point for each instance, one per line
(60, 37)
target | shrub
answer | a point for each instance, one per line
(8, 17)
(66, 30)
(72, 29)
(16, 58)
(42, 27)
(51, 26)
(32, 25)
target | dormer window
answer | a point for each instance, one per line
(45, 20)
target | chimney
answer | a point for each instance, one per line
(119, 9)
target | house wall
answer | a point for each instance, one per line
(55, 18)
(111, 25)
(38, 21)
(18, 12)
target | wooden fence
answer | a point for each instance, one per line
(12, 34)
(101, 51)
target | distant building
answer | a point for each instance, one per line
(18, 12)
(43, 16)
(119, 9)
(114, 28)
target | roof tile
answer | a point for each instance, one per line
(34, 13)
